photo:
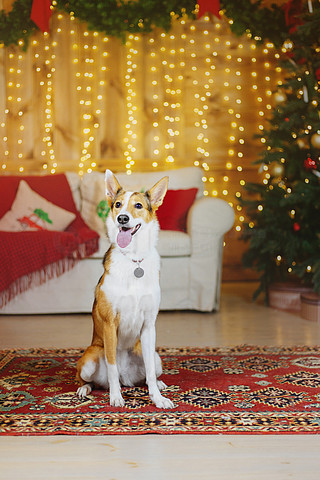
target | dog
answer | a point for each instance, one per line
(127, 299)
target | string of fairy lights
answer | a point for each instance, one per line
(184, 101)
(46, 55)
(155, 135)
(132, 123)
(14, 106)
(200, 90)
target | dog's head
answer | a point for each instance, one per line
(131, 213)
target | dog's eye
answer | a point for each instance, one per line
(117, 204)
(138, 205)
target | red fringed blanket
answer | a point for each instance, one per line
(31, 258)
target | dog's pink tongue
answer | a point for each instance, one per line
(124, 238)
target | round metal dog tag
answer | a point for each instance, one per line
(138, 272)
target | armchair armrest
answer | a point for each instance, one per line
(211, 216)
(208, 220)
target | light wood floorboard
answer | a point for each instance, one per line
(222, 457)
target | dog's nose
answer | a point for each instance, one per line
(123, 219)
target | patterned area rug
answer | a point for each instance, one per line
(242, 389)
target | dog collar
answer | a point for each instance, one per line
(138, 272)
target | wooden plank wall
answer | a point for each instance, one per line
(78, 100)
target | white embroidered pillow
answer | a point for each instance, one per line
(31, 212)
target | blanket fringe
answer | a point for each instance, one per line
(53, 270)
(36, 279)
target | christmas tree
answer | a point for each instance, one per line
(283, 230)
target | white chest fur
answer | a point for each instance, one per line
(135, 299)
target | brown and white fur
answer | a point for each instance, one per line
(122, 351)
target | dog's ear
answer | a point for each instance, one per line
(157, 193)
(112, 186)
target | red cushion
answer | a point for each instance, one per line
(54, 188)
(172, 214)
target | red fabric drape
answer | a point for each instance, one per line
(209, 6)
(41, 14)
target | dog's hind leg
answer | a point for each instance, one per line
(88, 369)
(85, 390)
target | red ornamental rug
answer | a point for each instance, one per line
(245, 389)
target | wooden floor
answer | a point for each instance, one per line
(167, 457)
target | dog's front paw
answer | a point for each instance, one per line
(162, 402)
(116, 400)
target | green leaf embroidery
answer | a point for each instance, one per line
(103, 209)
(42, 215)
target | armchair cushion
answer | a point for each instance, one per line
(31, 212)
(172, 214)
